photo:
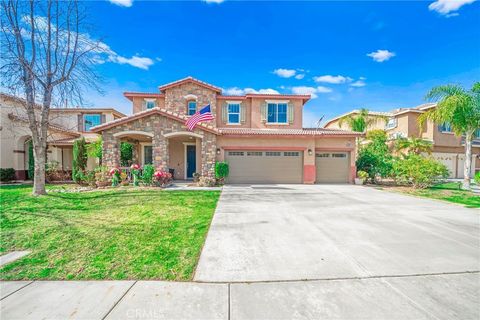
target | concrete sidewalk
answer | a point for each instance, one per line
(444, 296)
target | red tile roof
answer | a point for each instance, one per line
(51, 126)
(190, 79)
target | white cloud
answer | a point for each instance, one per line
(332, 79)
(445, 7)
(122, 3)
(284, 73)
(359, 83)
(213, 1)
(235, 91)
(381, 55)
(135, 61)
(312, 91)
(300, 76)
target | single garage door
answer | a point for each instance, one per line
(332, 167)
(265, 166)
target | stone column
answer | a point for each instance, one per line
(209, 149)
(135, 151)
(111, 150)
(160, 151)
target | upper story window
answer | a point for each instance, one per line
(191, 107)
(391, 123)
(149, 104)
(91, 120)
(445, 127)
(477, 134)
(277, 112)
(233, 113)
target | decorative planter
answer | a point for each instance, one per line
(359, 181)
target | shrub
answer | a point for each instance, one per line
(115, 174)
(162, 178)
(79, 159)
(362, 175)
(126, 154)
(221, 171)
(53, 173)
(102, 177)
(31, 160)
(7, 174)
(147, 174)
(476, 178)
(206, 182)
(418, 171)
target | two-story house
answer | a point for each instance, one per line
(66, 125)
(403, 123)
(259, 135)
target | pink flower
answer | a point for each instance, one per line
(158, 174)
(135, 166)
(114, 171)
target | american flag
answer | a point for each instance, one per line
(203, 114)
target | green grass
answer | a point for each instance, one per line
(449, 191)
(118, 234)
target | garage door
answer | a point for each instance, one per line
(332, 167)
(265, 166)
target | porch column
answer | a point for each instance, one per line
(209, 149)
(111, 150)
(160, 151)
(135, 152)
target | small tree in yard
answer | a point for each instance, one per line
(46, 56)
(375, 157)
(94, 149)
(413, 145)
(80, 159)
(460, 108)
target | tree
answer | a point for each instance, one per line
(359, 122)
(375, 157)
(46, 56)
(413, 145)
(80, 159)
(461, 109)
(94, 149)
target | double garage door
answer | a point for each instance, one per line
(265, 166)
(270, 166)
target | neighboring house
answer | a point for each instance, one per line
(66, 125)
(259, 135)
(403, 123)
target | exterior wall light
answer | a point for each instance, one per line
(310, 152)
(218, 151)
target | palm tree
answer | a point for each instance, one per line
(413, 145)
(461, 109)
(359, 122)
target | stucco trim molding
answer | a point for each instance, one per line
(183, 133)
(190, 97)
(126, 133)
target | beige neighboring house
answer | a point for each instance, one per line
(402, 123)
(259, 135)
(66, 125)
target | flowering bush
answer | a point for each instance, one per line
(135, 169)
(115, 173)
(162, 178)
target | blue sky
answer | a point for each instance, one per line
(377, 55)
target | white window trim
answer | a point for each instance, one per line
(392, 127)
(286, 123)
(239, 113)
(185, 144)
(146, 100)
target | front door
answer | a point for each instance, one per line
(191, 160)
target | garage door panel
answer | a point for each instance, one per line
(265, 166)
(332, 167)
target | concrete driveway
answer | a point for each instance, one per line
(298, 232)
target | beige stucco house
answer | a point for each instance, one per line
(447, 147)
(66, 125)
(259, 135)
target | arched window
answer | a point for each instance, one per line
(191, 107)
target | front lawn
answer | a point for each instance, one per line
(450, 191)
(119, 234)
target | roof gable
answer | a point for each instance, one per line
(190, 80)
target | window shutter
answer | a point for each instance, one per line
(263, 111)
(291, 112)
(80, 122)
(242, 113)
(224, 112)
(144, 105)
(104, 119)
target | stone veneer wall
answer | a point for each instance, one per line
(159, 126)
(175, 98)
